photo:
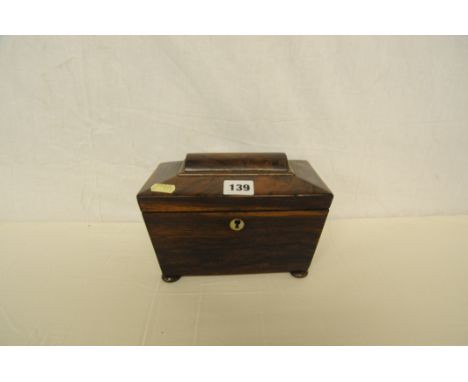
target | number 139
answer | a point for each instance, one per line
(240, 187)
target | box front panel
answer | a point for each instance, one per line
(234, 242)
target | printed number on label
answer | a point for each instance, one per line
(238, 187)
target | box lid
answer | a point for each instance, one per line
(234, 182)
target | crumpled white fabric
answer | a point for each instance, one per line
(85, 120)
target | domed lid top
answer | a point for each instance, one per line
(234, 182)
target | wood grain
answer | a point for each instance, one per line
(190, 230)
(204, 244)
(300, 190)
(236, 162)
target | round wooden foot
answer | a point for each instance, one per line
(299, 274)
(170, 279)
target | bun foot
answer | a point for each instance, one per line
(170, 279)
(299, 274)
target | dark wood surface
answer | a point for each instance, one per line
(190, 231)
(236, 162)
(300, 189)
(204, 244)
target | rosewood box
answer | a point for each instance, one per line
(215, 214)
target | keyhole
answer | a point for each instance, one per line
(236, 224)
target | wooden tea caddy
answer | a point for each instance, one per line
(234, 213)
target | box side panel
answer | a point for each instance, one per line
(205, 244)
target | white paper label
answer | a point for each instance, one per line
(238, 187)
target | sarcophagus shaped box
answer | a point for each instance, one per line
(214, 214)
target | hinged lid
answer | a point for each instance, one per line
(234, 182)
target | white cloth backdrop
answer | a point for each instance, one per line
(85, 120)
